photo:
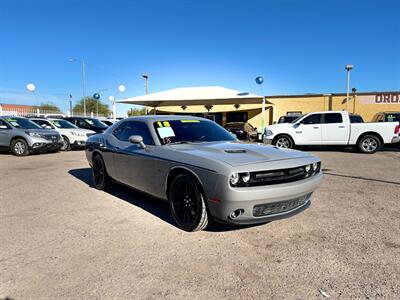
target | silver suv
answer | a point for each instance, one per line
(22, 136)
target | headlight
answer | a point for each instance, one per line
(307, 168)
(246, 177)
(234, 179)
(268, 132)
(33, 134)
(315, 166)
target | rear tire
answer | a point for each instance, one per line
(19, 147)
(66, 144)
(187, 204)
(369, 144)
(101, 179)
(283, 141)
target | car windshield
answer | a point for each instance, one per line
(393, 117)
(95, 122)
(190, 130)
(63, 124)
(22, 123)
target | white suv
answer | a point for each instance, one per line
(73, 137)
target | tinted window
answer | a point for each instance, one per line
(312, 119)
(82, 124)
(392, 117)
(129, 128)
(42, 123)
(356, 119)
(190, 130)
(22, 123)
(2, 123)
(333, 118)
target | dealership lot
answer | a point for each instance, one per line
(61, 238)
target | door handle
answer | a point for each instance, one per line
(316, 127)
(341, 127)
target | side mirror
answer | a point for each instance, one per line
(3, 127)
(137, 140)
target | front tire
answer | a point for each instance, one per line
(369, 144)
(66, 146)
(283, 141)
(101, 179)
(19, 147)
(187, 204)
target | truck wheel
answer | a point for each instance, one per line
(66, 146)
(101, 179)
(19, 147)
(283, 141)
(369, 144)
(187, 204)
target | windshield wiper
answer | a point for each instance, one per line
(179, 142)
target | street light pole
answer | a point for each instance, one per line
(348, 69)
(83, 81)
(146, 78)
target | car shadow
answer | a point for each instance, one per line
(155, 206)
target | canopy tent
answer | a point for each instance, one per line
(209, 95)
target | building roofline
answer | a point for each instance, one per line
(330, 94)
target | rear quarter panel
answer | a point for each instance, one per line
(384, 129)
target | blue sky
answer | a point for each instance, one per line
(297, 46)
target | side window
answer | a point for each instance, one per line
(129, 128)
(82, 124)
(42, 123)
(312, 119)
(2, 123)
(333, 118)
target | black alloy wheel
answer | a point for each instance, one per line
(101, 180)
(187, 204)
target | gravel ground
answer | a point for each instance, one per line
(61, 238)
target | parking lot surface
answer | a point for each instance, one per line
(61, 238)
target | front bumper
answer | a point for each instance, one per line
(246, 198)
(43, 145)
(267, 140)
(78, 144)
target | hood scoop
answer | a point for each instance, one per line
(235, 151)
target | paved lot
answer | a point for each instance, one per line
(61, 238)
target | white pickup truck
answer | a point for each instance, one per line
(332, 128)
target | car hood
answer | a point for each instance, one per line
(279, 127)
(46, 132)
(236, 153)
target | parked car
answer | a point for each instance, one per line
(332, 128)
(73, 137)
(243, 131)
(88, 123)
(387, 116)
(203, 171)
(354, 118)
(109, 122)
(288, 118)
(22, 136)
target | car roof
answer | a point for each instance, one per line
(7, 117)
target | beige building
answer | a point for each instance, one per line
(250, 109)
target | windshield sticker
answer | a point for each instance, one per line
(11, 120)
(165, 132)
(57, 123)
(190, 121)
(14, 123)
(163, 124)
(89, 121)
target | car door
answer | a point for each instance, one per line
(335, 130)
(134, 165)
(5, 134)
(308, 131)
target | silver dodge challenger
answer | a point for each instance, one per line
(203, 171)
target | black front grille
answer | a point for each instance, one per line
(262, 210)
(51, 137)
